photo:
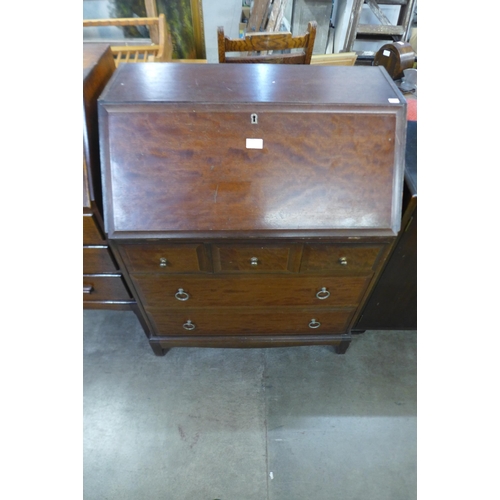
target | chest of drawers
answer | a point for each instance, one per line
(251, 205)
(103, 284)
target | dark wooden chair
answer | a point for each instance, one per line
(276, 47)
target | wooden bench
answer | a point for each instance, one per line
(160, 50)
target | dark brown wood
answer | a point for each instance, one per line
(157, 349)
(392, 304)
(341, 348)
(166, 258)
(98, 259)
(273, 291)
(103, 285)
(225, 186)
(341, 259)
(395, 58)
(226, 245)
(249, 341)
(87, 203)
(98, 66)
(250, 321)
(254, 258)
(92, 232)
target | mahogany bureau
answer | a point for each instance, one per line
(251, 205)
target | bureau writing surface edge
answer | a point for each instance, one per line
(251, 205)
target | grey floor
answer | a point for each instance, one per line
(279, 424)
(242, 424)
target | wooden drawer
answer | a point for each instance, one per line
(166, 258)
(255, 258)
(98, 260)
(253, 291)
(249, 321)
(91, 233)
(343, 259)
(104, 288)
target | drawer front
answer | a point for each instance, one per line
(98, 260)
(250, 321)
(341, 259)
(252, 291)
(166, 258)
(91, 233)
(254, 258)
(104, 288)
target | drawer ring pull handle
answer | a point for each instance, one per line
(181, 295)
(343, 261)
(254, 261)
(323, 294)
(163, 262)
(314, 324)
(188, 325)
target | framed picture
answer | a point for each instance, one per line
(184, 19)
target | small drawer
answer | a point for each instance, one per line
(91, 233)
(250, 321)
(166, 258)
(254, 258)
(104, 288)
(98, 260)
(343, 259)
(190, 291)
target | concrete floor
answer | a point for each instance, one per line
(244, 424)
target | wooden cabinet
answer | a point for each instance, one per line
(103, 283)
(251, 205)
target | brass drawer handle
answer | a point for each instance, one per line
(323, 294)
(181, 295)
(163, 262)
(343, 261)
(88, 288)
(188, 325)
(314, 324)
(254, 261)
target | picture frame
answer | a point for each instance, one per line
(185, 22)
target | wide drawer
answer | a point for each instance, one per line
(166, 258)
(104, 288)
(343, 259)
(255, 258)
(254, 291)
(248, 321)
(97, 260)
(91, 233)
